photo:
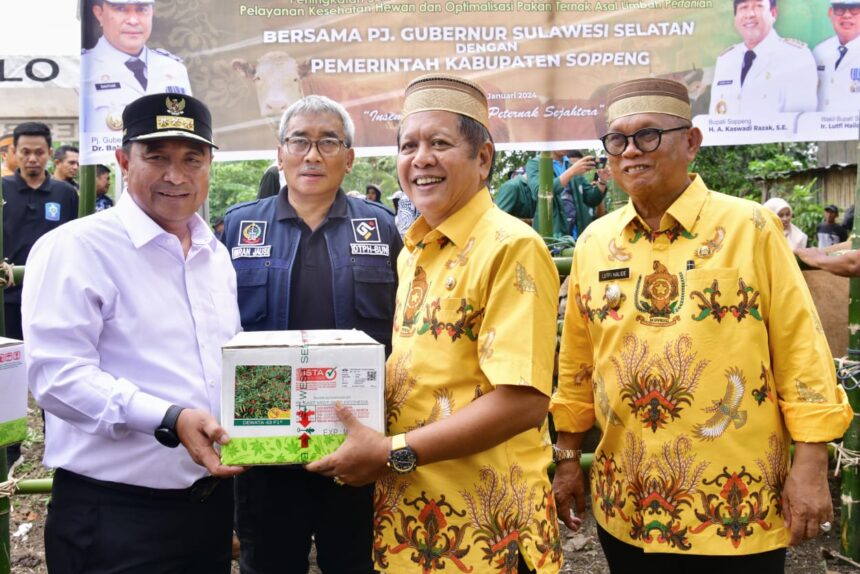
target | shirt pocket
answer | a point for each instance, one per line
(374, 291)
(252, 285)
(713, 303)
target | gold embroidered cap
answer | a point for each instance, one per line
(448, 93)
(648, 96)
(167, 116)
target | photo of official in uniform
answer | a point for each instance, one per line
(838, 59)
(765, 73)
(121, 68)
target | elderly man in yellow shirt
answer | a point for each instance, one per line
(462, 483)
(694, 343)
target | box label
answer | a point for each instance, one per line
(262, 395)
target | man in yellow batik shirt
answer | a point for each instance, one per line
(462, 483)
(692, 339)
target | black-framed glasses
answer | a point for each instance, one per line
(853, 9)
(645, 140)
(326, 146)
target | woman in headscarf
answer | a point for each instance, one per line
(796, 238)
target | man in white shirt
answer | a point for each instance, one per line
(124, 317)
(121, 68)
(764, 74)
(838, 59)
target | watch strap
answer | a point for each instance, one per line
(171, 416)
(562, 454)
(398, 441)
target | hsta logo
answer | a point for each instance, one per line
(317, 374)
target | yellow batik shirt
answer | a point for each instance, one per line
(698, 350)
(476, 308)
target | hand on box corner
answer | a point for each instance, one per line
(361, 459)
(198, 431)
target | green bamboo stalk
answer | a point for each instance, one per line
(87, 179)
(545, 177)
(18, 276)
(34, 486)
(850, 485)
(563, 265)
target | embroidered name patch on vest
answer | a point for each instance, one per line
(252, 238)
(380, 249)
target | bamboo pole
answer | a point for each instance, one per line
(563, 264)
(545, 177)
(850, 485)
(34, 486)
(87, 180)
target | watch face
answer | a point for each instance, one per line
(167, 437)
(402, 460)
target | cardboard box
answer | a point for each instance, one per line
(13, 392)
(279, 390)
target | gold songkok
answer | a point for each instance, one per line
(648, 96)
(447, 93)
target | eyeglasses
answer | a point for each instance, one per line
(842, 10)
(645, 140)
(326, 146)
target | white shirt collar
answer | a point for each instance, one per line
(142, 229)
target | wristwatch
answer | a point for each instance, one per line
(562, 454)
(402, 458)
(166, 431)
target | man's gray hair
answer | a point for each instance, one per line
(314, 105)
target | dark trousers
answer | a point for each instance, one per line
(624, 558)
(96, 527)
(278, 509)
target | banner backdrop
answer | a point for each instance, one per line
(545, 65)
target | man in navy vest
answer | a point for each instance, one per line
(311, 258)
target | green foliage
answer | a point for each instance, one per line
(233, 182)
(730, 169)
(260, 388)
(507, 161)
(381, 171)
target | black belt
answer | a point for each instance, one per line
(197, 492)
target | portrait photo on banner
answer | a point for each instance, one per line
(757, 71)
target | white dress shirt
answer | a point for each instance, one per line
(838, 88)
(108, 85)
(119, 324)
(782, 78)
